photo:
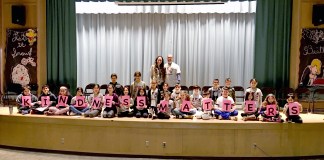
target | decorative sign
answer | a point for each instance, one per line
(62, 100)
(45, 101)
(311, 57)
(125, 100)
(207, 104)
(141, 102)
(185, 106)
(21, 56)
(108, 101)
(294, 109)
(227, 105)
(26, 100)
(164, 106)
(249, 106)
(271, 110)
(96, 102)
(80, 101)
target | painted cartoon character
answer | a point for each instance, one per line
(311, 72)
(31, 35)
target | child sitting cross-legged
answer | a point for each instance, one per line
(292, 110)
(226, 106)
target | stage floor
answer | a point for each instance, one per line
(170, 138)
(307, 117)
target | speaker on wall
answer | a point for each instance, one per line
(318, 14)
(18, 14)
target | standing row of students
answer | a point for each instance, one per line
(136, 101)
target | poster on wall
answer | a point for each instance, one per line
(21, 56)
(311, 57)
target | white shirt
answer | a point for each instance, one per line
(257, 95)
(171, 73)
(220, 100)
(154, 94)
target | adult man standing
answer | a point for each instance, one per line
(172, 72)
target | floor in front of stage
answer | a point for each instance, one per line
(307, 117)
(12, 154)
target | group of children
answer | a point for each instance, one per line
(162, 104)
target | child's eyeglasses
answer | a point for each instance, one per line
(293, 97)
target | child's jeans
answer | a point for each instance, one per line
(224, 114)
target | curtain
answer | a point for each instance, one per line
(61, 43)
(205, 46)
(272, 42)
(161, 0)
(113, 8)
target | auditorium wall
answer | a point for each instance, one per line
(301, 18)
(35, 18)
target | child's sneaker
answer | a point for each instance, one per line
(220, 117)
(234, 118)
(266, 120)
(23, 112)
(189, 117)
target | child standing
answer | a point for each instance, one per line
(153, 96)
(175, 96)
(164, 90)
(292, 118)
(207, 114)
(24, 106)
(231, 90)
(76, 109)
(257, 92)
(96, 102)
(195, 100)
(226, 112)
(63, 103)
(215, 91)
(137, 84)
(140, 108)
(124, 109)
(111, 110)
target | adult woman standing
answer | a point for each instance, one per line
(158, 72)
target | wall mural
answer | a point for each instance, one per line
(311, 57)
(21, 56)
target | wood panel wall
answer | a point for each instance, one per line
(301, 18)
(35, 18)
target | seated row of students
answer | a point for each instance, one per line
(109, 105)
(154, 103)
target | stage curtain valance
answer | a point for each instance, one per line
(113, 8)
(161, 0)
